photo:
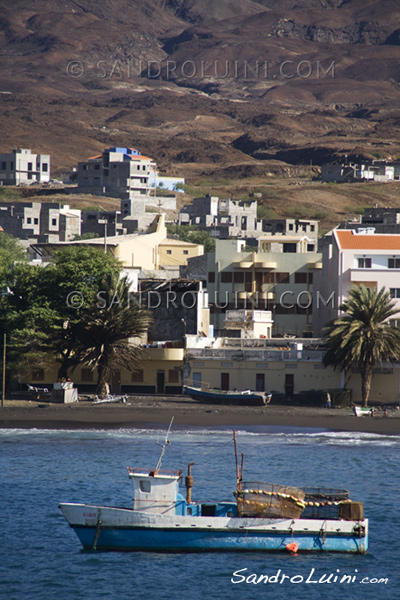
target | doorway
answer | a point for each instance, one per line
(224, 381)
(289, 385)
(160, 382)
(260, 382)
(116, 382)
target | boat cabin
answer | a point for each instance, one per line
(157, 492)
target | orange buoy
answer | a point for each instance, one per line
(292, 548)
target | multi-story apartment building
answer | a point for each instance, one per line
(117, 172)
(353, 258)
(277, 277)
(22, 167)
(40, 221)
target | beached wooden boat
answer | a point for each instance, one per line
(245, 397)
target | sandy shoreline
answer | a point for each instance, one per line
(158, 412)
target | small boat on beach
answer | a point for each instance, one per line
(263, 517)
(245, 397)
(363, 411)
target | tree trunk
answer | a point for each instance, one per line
(63, 371)
(102, 388)
(366, 376)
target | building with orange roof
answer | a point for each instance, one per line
(355, 257)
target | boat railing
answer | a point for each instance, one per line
(136, 471)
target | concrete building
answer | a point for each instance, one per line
(226, 218)
(40, 221)
(22, 167)
(117, 172)
(381, 219)
(354, 258)
(298, 227)
(374, 170)
(278, 277)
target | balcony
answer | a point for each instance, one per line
(265, 264)
(259, 353)
(367, 275)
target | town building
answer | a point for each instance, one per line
(225, 217)
(355, 257)
(277, 277)
(21, 167)
(297, 227)
(374, 170)
(381, 219)
(44, 222)
(117, 172)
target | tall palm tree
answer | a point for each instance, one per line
(104, 330)
(363, 336)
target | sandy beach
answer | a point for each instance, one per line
(149, 411)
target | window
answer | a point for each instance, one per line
(226, 276)
(364, 263)
(173, 376)
(169, 251)
(54, 222)
(310, 247)
(45, 167)
(300, 277)
(38, 375)
(36, 221)
(86, 375)
(238, 277)
(310, 278)
(29, 220)
(3, 165)
(394, 263)
(145, 486)
(395, 292)
(29, 166)
(291, 227)
(84, 167)
(137, 376)
(289, 248)
(394, 322)
(29, 175)
(186, 252)
(282, 278)
(312, 227)
(211, 277)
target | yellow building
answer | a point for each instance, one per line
(174, 252)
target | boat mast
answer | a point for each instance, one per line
(164, 446)
(238, 478)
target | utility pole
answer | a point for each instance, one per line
(3, 395)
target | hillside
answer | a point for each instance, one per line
(237, 88)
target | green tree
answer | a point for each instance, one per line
(105, 329)
(42, 312)
(189, 233)
(363, 336)
(11, 251)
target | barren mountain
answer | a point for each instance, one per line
(243, 87)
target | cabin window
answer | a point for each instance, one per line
(145, 486)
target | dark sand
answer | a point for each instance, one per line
(146, 412)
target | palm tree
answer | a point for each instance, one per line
(105, 328)
(363, 335)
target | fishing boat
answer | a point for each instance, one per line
(263, 517)
(245, 397)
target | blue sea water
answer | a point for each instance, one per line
(41, 558)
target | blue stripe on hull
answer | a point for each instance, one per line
(198, 540)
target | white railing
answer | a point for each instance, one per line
(258, 354)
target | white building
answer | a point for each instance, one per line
(23, 167)
(355, 258)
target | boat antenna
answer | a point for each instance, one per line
(166, 443)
